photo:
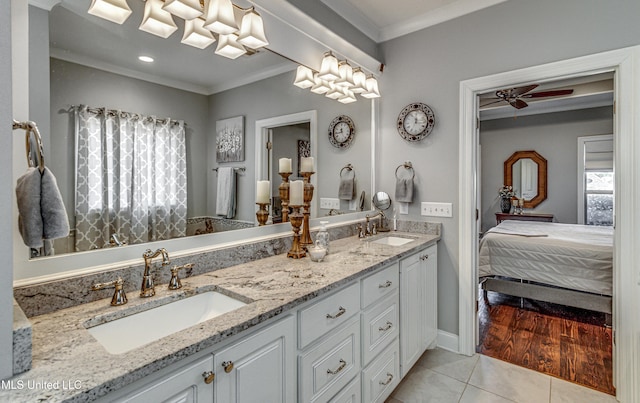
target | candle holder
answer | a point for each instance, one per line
(307, 197)
(296, 250)
(283, 189)
(262, 214)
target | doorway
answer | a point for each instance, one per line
(627, 86)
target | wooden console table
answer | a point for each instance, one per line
(524, 217)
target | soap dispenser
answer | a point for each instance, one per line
(322, 237)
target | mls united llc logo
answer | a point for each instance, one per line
(21, 384)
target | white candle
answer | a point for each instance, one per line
(262, 192)
(296, 196)
(284, 164)
(306, 164)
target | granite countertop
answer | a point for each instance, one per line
(70, 365)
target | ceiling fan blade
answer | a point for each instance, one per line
(518, 103)
(522, 90)
(551, 93)
(491, 103)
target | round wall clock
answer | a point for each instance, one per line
(416, 121)
(341, 131)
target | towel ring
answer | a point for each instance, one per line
(408, 166)
(348, 167)
(31, 127)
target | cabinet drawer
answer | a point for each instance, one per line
(352, 393)
(330, 365)
(379, 326)
(323, 316)
(380, 284)
(382, 376)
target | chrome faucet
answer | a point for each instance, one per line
(147, 289)
(368, 230)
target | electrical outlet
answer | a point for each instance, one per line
(329, 203)
(403, 208)
(353, 205)
(436, 209)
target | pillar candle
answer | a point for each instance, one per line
(262, 192)
(296, 193)
(284, 165)
(306, 164)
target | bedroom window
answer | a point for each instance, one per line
(595, 180)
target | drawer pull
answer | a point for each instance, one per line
(388, 326)
(386, 284)
(388, 381)
(424, 257)
(341, 312)
(208, 377)
(343, 364)
(228, 366)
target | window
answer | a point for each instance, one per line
(595, 180)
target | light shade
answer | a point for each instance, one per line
(304, 77)
(348, 97)
(335, 92)
(229, 47)
(346, 75)
(372, 88)
(219, 17)
(185, 9)
(196, 35)
(320, 86)
(252, 30)
(329, 68)
(359, 81)
(156, 20)
(112, 10)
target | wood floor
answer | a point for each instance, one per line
(567, 343)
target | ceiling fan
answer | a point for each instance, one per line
(514, 95)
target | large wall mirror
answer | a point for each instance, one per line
(526, 171)
(77, 59)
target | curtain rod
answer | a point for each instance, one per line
(114, 112)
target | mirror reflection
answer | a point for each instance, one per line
(100, 109)
(526, 172)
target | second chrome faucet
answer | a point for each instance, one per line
(147, 289)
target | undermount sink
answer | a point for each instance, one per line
(125, 334)
(392, 241)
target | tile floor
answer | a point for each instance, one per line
(441, 376)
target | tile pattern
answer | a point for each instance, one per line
(445, 377)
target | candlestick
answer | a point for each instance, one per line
(262, 214)
(283, 189)
(307, 197)
(262, 192)
(296, 193)
(284, 165)
(306, 164)
(296, 250)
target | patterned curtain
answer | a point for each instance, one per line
(131, 178)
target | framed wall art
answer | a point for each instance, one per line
(230, 139)
(304, 150)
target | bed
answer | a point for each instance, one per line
(566, 264)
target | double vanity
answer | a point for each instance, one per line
(347, 328)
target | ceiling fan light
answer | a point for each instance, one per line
(372, 88)
(348, 98)
(321, 86)
(335, 92)
(359, 81)
(111, 10)
(252, 30)
(185, 9)
(157, 21)
(196, 35)
(304, 77)
(220, 17)
(329, 67)
(346, 75)
(229, 47)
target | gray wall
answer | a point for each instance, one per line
(428, 66)
(6, 183)
(552, 135)
(276, 97)
(73, 84)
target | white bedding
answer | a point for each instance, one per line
(578, 257)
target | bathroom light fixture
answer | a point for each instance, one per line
(335, 92)
(372, 88)
(185, 9)
(348, 97)
(329, 67)
(156, 20)
(146, 59)
(346, 75)
(229, 47)
(304, 77)
(196, 35)
(252, 30)
(219, 17)
(359, 81)
(321, 86)
(112, 10)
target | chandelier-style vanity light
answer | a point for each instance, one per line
(235, 28)
(337, 80)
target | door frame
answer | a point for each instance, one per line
(625, 63)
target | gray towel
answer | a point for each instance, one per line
(347, 188)
(404, 190)
(42, 214)
(226, 192)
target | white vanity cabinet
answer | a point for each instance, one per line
(418, 305)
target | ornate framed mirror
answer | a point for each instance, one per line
(526, 171)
